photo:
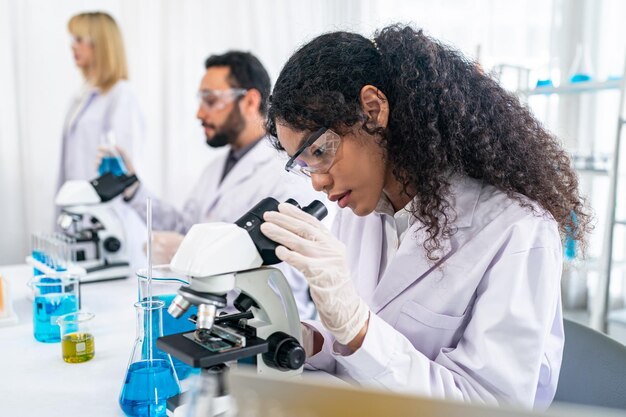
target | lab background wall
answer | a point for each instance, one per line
(167, 42)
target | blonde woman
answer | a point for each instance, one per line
(104, 105)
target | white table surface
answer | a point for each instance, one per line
(34, 379)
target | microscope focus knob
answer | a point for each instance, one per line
(284, 352)
(112, 244)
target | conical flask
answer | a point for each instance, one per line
(150, 377)
(112, 161)
(580, 70)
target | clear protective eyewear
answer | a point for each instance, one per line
(79, 40)
(218, 99)
(316, 155)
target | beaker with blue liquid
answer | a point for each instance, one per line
(53, 298)
(164, 285)
(112, 162)
(150, 378)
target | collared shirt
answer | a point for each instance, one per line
(235, 156)
(395, 226)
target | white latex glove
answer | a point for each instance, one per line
(164, 246)
(309, 247)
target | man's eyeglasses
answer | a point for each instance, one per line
(218, 99)
(316, 155)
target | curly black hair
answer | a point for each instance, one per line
(446, 117)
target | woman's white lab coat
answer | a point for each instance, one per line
(90, 116)
(483, 326)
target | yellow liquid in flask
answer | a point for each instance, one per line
(78, 347)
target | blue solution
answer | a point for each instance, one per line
(180, 325)
(147, 387)
(46, 309)
(113, 164)
(49, 289)
(38, 256)
(570, 243)
(578, 78)
(544, 83)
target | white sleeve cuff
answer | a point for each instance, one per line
(322, 360)
(375, 355)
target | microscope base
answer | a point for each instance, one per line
(106, 272)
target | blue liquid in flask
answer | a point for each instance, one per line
(112, 164)
(148, 385)
(579, 78)
(179, 325)
(46, 309)
(544, 83)
(150, 378)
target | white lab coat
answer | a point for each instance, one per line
(484, 326)
(88, 119)
(260, 173)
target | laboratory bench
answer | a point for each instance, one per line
(35, 381)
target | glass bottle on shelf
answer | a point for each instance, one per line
(574, 279)
(549, 75)
(580, 70)
(150, 378)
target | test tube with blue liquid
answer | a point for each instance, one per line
(36, 252)
(112, 162)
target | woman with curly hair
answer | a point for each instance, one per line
(443, 278)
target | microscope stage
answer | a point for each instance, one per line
(191, 352)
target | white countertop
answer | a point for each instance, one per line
(34, 380)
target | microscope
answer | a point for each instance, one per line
(93, 228)
(220, 257)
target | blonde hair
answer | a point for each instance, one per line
(108, 47)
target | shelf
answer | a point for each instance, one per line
(592, 171)
(594, 264)
(575, 88)
(617, 316)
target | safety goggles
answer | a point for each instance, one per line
(79, 40)
(218, 99)
(316, 155)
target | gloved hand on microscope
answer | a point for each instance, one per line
(309, 246)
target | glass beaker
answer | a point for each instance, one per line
(77, 339)
(53, 297)
(150, 378)
(165, 283)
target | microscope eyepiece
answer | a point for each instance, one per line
(252, 220)
(316, 209)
